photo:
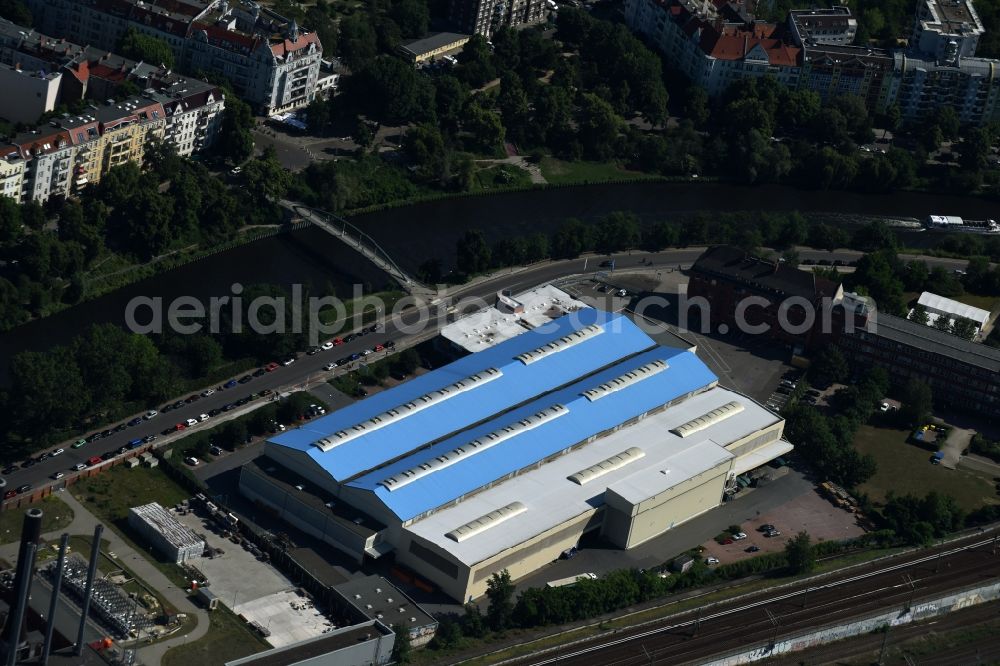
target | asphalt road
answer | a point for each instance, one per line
(759, 619)
(401, 327)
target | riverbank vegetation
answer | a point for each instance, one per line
(107, 373)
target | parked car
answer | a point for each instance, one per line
(58, 475)
(207, 392)
(288, 360)
(378, 348)
(772, 533)
(260, 372)
(179, 427)
(94, 460)
(330, 366)
(148, 438)
(752, 549)
(191, 460)
(271, 367)
(78, 443)
(726, 542)
(150, 414)
(134, 422)
(135, 443)
(215, 451)
(312, 351)
(121, 427)
(740, 535)
(79, 467)
(389, 344)
(58, 452)
(10, 494)
(202, 417)
(230, 384)
(711, 560)
(327, 345)
(766, 527)
(23, 489)
(245, 378)
(191, 422)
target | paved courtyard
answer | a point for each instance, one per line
(236, 576)
(288, 617)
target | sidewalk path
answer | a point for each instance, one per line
(83, 524)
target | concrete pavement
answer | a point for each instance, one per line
(83, 524)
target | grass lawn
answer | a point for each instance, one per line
(905, 468)
(499, 176)
(558, 172)
(110, 495)
(988, 303)
(228, 638)
(56, 516)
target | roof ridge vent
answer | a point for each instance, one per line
(485, 522)
(624, 381)
(477, 445)
(607, 465)
(721, 413)
(562, 344)
(406, 409)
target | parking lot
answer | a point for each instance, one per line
(806, 512)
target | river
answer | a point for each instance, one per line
(412, 234)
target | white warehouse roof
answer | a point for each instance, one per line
(633, 457)
(938, 305)
(493, 325)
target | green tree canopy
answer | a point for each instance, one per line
(148, 49)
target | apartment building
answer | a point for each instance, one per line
(272, 63)
(27, 93)
(962, 374)
(484, 17)
(11, 172)
(715, 45)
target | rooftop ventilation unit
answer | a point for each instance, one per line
(483, 523)
(608, 465)
(722, 413)
(475, 446)
(562, 344)
(628, 379)
(402, 411)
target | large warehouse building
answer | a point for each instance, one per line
(505, 457)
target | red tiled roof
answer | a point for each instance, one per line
(286, 46)
(217, 35)
(734, 42)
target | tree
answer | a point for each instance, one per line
(830, 367)
(391, 91)
(152, 50)
(618, 231)
(964, 328)
(412, 17)
(500, 592)
(974, 151)
(472, 253)
(917, 402)
(423, 145)
(599, 127)
(16, 11)
(513, 103)
(235, 143)
(918, 314)
(800, 553)
(570, 239)
(485, 126)
(358, 42)
(475, 62)
(401, 648)
(943, 323)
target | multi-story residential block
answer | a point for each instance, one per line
(946, 29)
(271, 62)
(11, 172)
(27, 94)
(971, 86)
(832, 25)
(484, 17)
(962, 374)
(715, 45)
(191, 111)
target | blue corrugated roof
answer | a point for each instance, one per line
(519, 383)
(585, 418)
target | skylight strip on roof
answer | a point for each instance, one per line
(628, 379)
(607, 465)
(400, 412)
(731, 408)
(562, 344)
(475, 446)
(483, 523)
